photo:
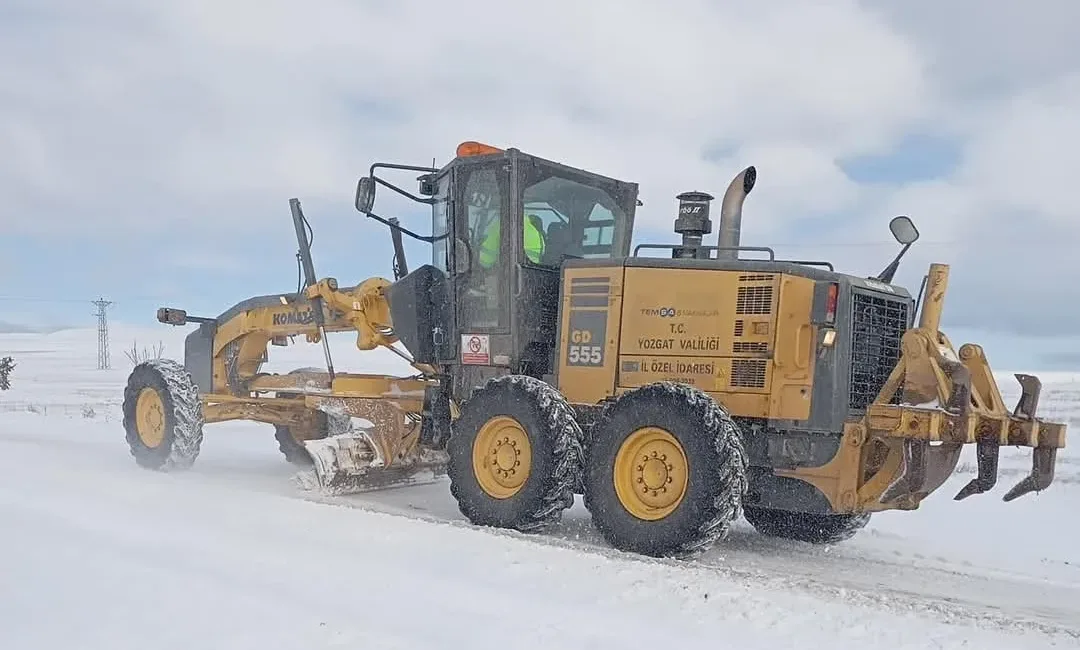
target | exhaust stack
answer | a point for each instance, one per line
(730, 230)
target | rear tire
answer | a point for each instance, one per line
(514, 455)
(805, 526)
(666, 471)
(163, 417)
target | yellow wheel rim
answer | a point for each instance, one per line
(502, 457)
(650, 473)
(150, 418)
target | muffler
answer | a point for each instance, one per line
(729, 233)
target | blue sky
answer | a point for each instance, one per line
(151, 149)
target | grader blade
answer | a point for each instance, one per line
(348, 464)
(381, 449)
(340, 463)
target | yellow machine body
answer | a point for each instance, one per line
(748, 337)
(745, 338)
(224, 359)
(675, 393)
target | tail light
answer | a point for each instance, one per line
(830, 303)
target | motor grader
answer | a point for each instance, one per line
(674, 391)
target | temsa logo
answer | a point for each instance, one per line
(662, 312)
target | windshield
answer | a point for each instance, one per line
(578, 215)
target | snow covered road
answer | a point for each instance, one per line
(98, 553)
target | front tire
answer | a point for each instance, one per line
(163, 417)
(514, 455)
(666, 471)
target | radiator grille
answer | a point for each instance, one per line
(754, 299)
(749, 346)
(748, 373)
(549, 315)
(877, 323)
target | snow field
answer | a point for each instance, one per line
(231, 555)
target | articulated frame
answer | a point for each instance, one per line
(392, 405)
(896, 455)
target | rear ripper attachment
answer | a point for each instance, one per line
(947, 399)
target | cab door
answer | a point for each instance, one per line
(480, 264)
(443, 298)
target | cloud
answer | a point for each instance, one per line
(194, 122)
(1008, 214)
(164, 108)
(982, 50)
(1061, 361)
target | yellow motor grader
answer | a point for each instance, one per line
(674, 391)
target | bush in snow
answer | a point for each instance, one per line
(136, 356)
(7, 365)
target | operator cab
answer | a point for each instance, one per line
(502, 223)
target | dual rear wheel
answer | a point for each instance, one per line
(664, 473)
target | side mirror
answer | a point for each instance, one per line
(427, 185)
(906, 233)
(903, 230)
(171, 316)
(365, 194)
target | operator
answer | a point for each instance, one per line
(533, 236)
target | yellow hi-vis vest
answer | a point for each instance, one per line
(489, 247)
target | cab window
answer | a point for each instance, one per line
(485, 291)
(577, 216)
(440, 248)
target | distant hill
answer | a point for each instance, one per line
(15, 328)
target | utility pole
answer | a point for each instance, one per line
(102, 333)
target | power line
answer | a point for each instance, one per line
(41, 299)
(72, 300)
(103, 332)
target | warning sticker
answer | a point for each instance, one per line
(475, 349)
